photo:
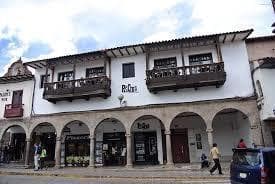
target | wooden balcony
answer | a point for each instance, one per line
(13, 111)
(185, 77)
(78, 89)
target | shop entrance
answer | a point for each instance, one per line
(77, 150)
(114, 149)
(180, 146)
(146, 151)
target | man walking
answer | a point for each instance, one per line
(215, 154)
(37, 152)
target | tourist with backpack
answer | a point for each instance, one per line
(37, 152)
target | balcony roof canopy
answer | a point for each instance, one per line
(129, 50)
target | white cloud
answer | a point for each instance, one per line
(59, 24)
(221, 16)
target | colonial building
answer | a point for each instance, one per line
(156, 103)
(261, 51)
(16, 92)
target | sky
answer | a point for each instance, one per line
(37, 29)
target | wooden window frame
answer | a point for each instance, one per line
(170, 62)
(128, 74)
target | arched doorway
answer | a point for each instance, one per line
(44, 134)
(149, 141)
(110, 143)
(188, 138)
(75, 145)
(229, 126)
(13, 144)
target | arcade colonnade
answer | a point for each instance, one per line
(171, 133)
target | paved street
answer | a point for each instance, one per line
(22, 179)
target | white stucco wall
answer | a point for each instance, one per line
(236, 66)
(26, 86)
(266, 78)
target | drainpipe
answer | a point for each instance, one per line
(254, 87)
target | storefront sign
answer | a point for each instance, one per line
(143, 125)
(4, 95)
(77, 137)
(128, 88)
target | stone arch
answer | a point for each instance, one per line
(101, 120)
(149, 130)
(76, 121)
(13, 138)
(35, 125)
(188, 113)
(229, 126)
(7, 126)
(111, 133)
(188, 137)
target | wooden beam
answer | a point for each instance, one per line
(127, 51)
(47, 68)
(234, 36)
(135, 50)
(52, 73)
(38, 65)
(113, 53)
(43, 64)
(120, 52)
(147, 52)
(218, 49)
(224, 39)
(142, 49)
(182, 55)
(74, 71)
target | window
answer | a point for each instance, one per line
(128, 70)
(200, 59)
(260, 91)
(165, 63)
(65, 76)
(43, 80)
(94, 72)
(198, 141)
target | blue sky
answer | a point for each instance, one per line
(40, 29)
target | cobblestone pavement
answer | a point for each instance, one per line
(23, 179)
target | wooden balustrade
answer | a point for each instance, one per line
(77, 89)
(12, 110)
(185, 77)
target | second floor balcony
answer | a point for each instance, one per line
(185, 77)
(13, 111)
(77, 89)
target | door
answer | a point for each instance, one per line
(146, 151)
(180, 147)
(17, 98)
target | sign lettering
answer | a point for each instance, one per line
(128, 88)
(143, 125)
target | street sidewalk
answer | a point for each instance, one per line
(145, 172)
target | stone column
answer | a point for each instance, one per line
(129, 150)
(58, 152)
(27, 154)
(210, 137)
(168, 148)
(92, 156)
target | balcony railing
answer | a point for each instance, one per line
(186, 77)
(13, 111)
(78, 89)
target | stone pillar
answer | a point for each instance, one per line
(92, 156)
(129, 150)
(210, 137)
(168, 148)
(27, 154)
(58, 152)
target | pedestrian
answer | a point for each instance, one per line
(43, 157)
(241, 144)
(215, 154)
(37, 152)
(204, 161)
